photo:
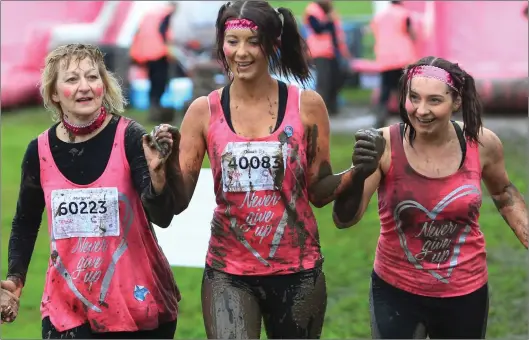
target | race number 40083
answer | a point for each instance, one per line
(90, 212)
(252, 166)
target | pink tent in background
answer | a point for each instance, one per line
(25, 38)
(491, 47)
(30, 28)
(488, 38)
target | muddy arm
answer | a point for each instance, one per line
(507, 198)
(27, 219)
(191, 153)
(352, 203)
(158, 205)
(323, 186)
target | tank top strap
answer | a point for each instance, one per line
(122, 127)
(47, 166)
(118, 156)
(292, 115)
(43, 144)
(215, 107)
(472, 160)
(294, 99)
(397, 149)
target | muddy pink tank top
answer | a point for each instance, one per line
(263, 223)
(430, 242)
(106, 266)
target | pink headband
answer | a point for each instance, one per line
(434, 72)
(234, 24)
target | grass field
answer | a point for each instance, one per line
(345, 8)
(349, 253)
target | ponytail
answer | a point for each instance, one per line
(281, 42)
(219, 22)
(293, 49)
(219, 26)
(471, 107)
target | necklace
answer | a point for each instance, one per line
(84, 129)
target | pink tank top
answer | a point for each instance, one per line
(430, 242)
(263, 223)
(106, 266)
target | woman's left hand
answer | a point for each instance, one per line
(159, 146)
(9, 303)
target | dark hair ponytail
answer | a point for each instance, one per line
(279, 36)
(293, 49)
(219, 23)
(471, 106)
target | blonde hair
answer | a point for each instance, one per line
(113, 99)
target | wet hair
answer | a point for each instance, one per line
(280, 39)
(62, 56)
(471, 105)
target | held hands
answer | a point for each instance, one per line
(160, 146)
(9, 301)
(367, 151)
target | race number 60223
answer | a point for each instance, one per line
(83, 208)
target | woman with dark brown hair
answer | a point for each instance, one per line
(430, 273)
(268, 146)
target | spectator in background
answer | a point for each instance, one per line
(151, 47)
(394, 50)
(326, 42)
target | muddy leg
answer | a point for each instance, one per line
(296, 306)
(230, 309)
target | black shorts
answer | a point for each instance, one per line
(164, 331)
(397, 314)
(292, 306)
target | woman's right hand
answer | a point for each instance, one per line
(9, 304)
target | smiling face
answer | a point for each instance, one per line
(79, 88)
(430, 105)
(244, 54)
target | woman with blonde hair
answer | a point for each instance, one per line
(103, 182)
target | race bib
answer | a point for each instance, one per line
(253, 166)
(91, 212)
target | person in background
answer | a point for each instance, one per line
(430, 273)
(102, 182)
(327, 46)
(268, 144)
(394, 50)
(151, 46)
